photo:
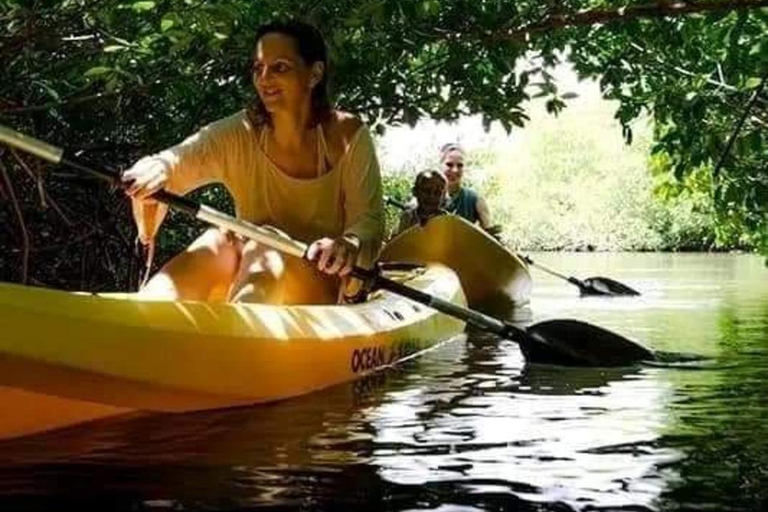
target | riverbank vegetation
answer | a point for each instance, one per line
(572, 183)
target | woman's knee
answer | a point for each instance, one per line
(257, 258)
(220, 250)
(213, 239)
(259, 275)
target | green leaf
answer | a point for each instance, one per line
(97, 71)
(752, 82)
(517, 120)
(112, 85)
(48, 89)
(167, 23)
(756, 141)
(143, 6)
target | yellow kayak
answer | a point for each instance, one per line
(69, 357)
(494, 279)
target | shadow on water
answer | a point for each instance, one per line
(551, 380)
(539, 378)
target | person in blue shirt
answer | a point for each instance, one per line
(461, 200)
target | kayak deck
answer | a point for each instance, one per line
(494, 279)
(73, 355)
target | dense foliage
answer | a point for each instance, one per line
(570, 183)
(696, 76)
(116, 79)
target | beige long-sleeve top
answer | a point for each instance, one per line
(345, 200)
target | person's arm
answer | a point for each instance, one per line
(200, 159)
(483, 213)
(363, 203)
(406, 221)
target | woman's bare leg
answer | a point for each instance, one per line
(204, 271)
(269, 277)
(258, 276)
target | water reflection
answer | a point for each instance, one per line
(577, 436)
(469, 425)
(272, 454)
(722, 420)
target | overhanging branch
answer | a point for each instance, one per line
(70, 102)
(651, 10)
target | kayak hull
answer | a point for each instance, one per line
(495, 280)
(69, 357)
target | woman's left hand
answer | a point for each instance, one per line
(334, 255)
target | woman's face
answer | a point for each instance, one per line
(281, 77)
(453, 168)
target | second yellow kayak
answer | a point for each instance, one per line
(494, 279)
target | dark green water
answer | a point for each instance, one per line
(468, 426)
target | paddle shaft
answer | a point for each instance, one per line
(264, 235)
(570, 279)
(395, 203)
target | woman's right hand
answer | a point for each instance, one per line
(147, 176)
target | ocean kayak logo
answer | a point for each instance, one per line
(370, 358)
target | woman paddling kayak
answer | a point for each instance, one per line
(290, 161)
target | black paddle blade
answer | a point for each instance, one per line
(575, 343)
(604, 286)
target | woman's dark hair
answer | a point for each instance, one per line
(428, 175)
(311, 48)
